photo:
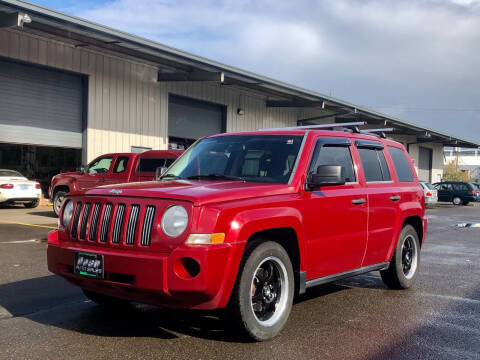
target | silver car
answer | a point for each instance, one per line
(431, 194)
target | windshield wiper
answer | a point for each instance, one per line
(215, 177)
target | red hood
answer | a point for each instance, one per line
(200, 192)
(71, 174)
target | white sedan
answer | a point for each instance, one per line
(16, 188)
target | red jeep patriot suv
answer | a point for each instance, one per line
(246, 221)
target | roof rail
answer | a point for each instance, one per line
(377, 132)
(350, 125)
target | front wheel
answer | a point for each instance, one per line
(58, 198)
(262, 298)
(403, 269)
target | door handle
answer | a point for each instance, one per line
(358, 201)
(395, 197)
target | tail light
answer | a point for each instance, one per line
(473, 192)
(6, 186)
(429, 193)
(37, 186)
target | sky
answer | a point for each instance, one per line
(418, 60)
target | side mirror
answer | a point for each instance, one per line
(159, 171)
(81, 168)
(326, 175)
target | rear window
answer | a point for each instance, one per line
(402, 166)
(9, 173)
(429, 186)
(460, 187)
(150, 165)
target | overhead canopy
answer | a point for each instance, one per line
(177, 65)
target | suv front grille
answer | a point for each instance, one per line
(99, 222)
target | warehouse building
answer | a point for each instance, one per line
(71, 90)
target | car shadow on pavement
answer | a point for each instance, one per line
(52, 301)
(49, 214)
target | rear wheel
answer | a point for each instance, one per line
(457, 200)
(32, 204)
(105, 300)
(58, 198)
(403, 269)
(262, 298)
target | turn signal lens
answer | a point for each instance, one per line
(205, 239)
(429, 193)
(6, 186)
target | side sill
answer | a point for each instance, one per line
(346, 274)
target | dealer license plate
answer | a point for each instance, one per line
(88, 264)
(23, 187)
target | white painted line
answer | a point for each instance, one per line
(18, 241)
(454, 298)
(4, 313)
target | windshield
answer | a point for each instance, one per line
(10, 173)
(253, 158)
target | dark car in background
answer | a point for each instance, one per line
(457, 192)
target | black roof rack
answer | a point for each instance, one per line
(350, 125)
(377, 132)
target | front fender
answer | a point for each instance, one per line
(245, 224)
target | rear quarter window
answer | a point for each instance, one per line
(150, 165)
(401, 164)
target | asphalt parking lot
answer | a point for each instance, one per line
(43, 317)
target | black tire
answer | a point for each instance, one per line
(399, 274)
(269, 266)
(457, 200)
(32, 204)
(105, 300)
(58, 197)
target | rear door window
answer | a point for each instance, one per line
(337, 155)
(402, 166)
(374, 165)
(120, 165)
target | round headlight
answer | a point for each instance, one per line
(174, 221)
(67, 213)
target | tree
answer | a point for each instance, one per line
(452, 173)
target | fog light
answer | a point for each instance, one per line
(186, 268)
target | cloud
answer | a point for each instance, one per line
(418, 59)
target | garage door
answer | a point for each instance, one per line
(191, 119)
(425, 164)
(40, 106)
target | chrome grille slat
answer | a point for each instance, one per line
(86, 215)
(117, 228)
(76, 219)
(106, 222)
(132, 224)
(94, 226)
(147, 226)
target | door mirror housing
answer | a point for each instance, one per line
(159, 171)
(81, 168)
(326, 175)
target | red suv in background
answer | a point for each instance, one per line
(246, 221)
(110, 169)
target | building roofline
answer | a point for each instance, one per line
(184, 55)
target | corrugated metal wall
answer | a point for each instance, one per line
(126, 105)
